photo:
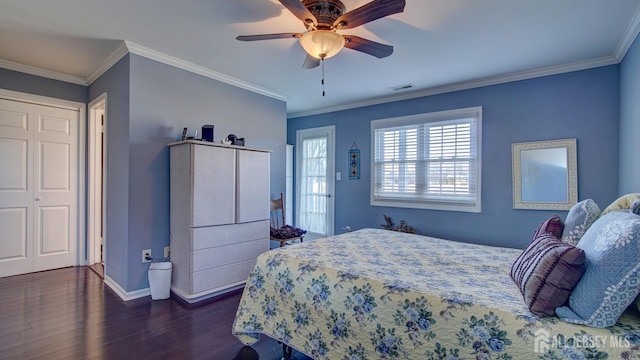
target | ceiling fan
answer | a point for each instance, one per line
(323, 18)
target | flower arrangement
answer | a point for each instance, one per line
(403, 227)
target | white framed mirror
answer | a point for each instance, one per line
(545, 175)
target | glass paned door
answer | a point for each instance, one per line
(315, 180)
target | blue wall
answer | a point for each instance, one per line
(115, 82)
(581, 104)
(630, 121)
(148, 104)
(31, 84)
(162, 100)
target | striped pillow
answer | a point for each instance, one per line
(546, 272)
(553, 225)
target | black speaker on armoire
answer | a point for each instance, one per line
(207, 133)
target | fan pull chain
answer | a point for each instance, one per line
(322, 63)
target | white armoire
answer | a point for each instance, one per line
(219, 216)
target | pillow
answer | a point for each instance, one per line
(635, 207)
(580, 217)
(610, 282)
(286, 232)
(622, 203)
(546, 272)
(553, 225)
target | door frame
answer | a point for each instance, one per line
(81, 173)
(94, 187)
(331, 165)
(288, 192)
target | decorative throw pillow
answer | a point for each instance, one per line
(622, 203)
(580, 217)
(553, 225)
(286, 232)
(635, 207)
(546, 272)
(611, 281)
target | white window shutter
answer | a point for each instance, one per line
(428, 161)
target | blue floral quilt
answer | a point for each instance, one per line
(378, 294)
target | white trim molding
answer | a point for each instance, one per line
(44, 100)
(200, 70)
(128, 47)
(124, 295)
(466, 85)
(32, 70)
(629, 37)
(111, 60)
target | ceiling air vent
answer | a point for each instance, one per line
(402, 87)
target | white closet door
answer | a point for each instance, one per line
(38, 190)
(16, 193)
(55, 187)
(253, 186)
(214, 182)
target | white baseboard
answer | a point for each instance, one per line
(194, 298)
(124, 295)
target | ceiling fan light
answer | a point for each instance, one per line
(322, 44)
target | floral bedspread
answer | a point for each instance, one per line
(378, 294)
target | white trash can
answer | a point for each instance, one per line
(160, 280)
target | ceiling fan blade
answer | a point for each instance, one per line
(268, 36)
(300, 11)
(367, 46)
(310, 62)
(373, 10)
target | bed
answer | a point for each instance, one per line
(379, 294)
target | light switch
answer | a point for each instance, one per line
(338, 175)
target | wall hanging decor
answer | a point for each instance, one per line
(354, 162)
(545, 174)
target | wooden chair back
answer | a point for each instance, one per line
(278, 217)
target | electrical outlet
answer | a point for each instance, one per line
(167, 252)
(146, 254)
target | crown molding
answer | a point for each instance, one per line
(111, 60)
(466, 85)
(32, 70)
(128, 47)
(629, 37)
(200, 70)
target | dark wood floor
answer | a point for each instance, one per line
(70, 314)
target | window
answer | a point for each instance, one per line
(428, 161)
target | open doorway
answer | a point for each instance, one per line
(96, 218)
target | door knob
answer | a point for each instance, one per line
(38, 198)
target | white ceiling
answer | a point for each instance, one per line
(440, 45)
